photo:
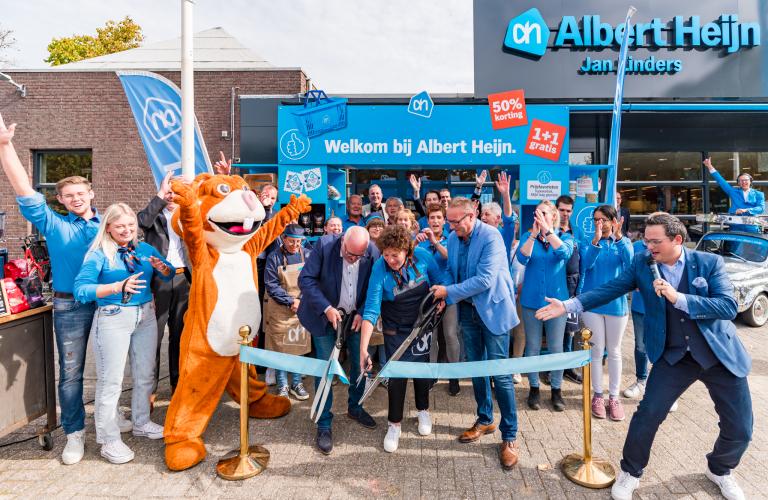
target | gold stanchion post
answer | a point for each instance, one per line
(248, 461)
(587, 470)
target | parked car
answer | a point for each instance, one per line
(746, 262)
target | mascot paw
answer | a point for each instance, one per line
(269, 406)
(184, 454)
(185, 195)
(303, 203)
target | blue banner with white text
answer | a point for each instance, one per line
(156, 105)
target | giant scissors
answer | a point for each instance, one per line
(430, 315)
(343, 327)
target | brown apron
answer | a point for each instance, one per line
(377, 338)
(283, 332)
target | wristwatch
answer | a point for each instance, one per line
(548, 233)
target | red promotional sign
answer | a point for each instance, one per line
(507, 109)
(545, 140)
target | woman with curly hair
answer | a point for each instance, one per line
(400, 279)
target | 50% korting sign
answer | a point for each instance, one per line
(507, 109)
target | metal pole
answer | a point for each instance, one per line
(187, 91)
(584, 469)
(248, 461)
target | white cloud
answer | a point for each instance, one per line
(363, 46)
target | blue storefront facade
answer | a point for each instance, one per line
(696, 84)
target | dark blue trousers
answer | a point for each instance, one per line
(666, 383)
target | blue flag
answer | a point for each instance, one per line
(156, 105)
(613, 149)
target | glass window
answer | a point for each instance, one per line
(675, 199)
(52, 166)
(754, 164)
(736, 246)
(581, 158)
(664, 166)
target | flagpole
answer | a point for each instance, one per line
(613, 149)
(187, 91)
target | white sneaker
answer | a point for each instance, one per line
(635, 390)
(269, 377)
(727, 484)
(74, 449)
(150, 430)
(624, 486)
(673, 407)
(123, 423)
(425, 422)
(117, 452)
(392, 439)
(516, 378)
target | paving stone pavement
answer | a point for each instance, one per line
(436, 466)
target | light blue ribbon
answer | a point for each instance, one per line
(292, 363)
(489, 368)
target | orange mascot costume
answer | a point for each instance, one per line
(218, 218)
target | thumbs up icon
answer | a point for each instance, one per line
(295, 146)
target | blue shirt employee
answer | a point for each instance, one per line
(98, 269)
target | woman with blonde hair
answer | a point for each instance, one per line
(114, 275)
(544, 251)
(407, 219)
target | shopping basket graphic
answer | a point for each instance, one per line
(321, 114)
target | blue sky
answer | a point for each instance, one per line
(363, 46)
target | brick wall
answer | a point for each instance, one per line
(89, 110)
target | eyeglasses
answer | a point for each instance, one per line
(350, 254)
(457, 222)
(655, 243)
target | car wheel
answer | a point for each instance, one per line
(757, 314)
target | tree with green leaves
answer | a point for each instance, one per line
(113, 37)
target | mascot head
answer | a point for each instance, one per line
(231, 213)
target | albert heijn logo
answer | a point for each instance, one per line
(421, 105)
(528, 33)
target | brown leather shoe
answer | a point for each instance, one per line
(508, 454)
(476, 432)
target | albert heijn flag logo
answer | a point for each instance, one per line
(527, 33)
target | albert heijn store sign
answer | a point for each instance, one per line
(566, 49)
(441, 135)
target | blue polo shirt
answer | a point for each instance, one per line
(544, 271)
(381, 285)
(98, 270)
(346, 222)
(68, 238)
(429, 247)
(602, 264)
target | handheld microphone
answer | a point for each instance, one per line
(654, 270)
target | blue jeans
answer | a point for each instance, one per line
(666, 383)
(281, 377)
(323, 348)
(72, 323)
(118, 331)
(480, 344)
(641, 358)
(555, 329)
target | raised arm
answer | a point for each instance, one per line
(147, 216)
(14, 170)
(185, 196)
(274, 227)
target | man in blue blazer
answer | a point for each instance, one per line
(484, 291)
(689, 336)
(744, 200)
(335, 276)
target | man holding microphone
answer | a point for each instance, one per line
(689, 336)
